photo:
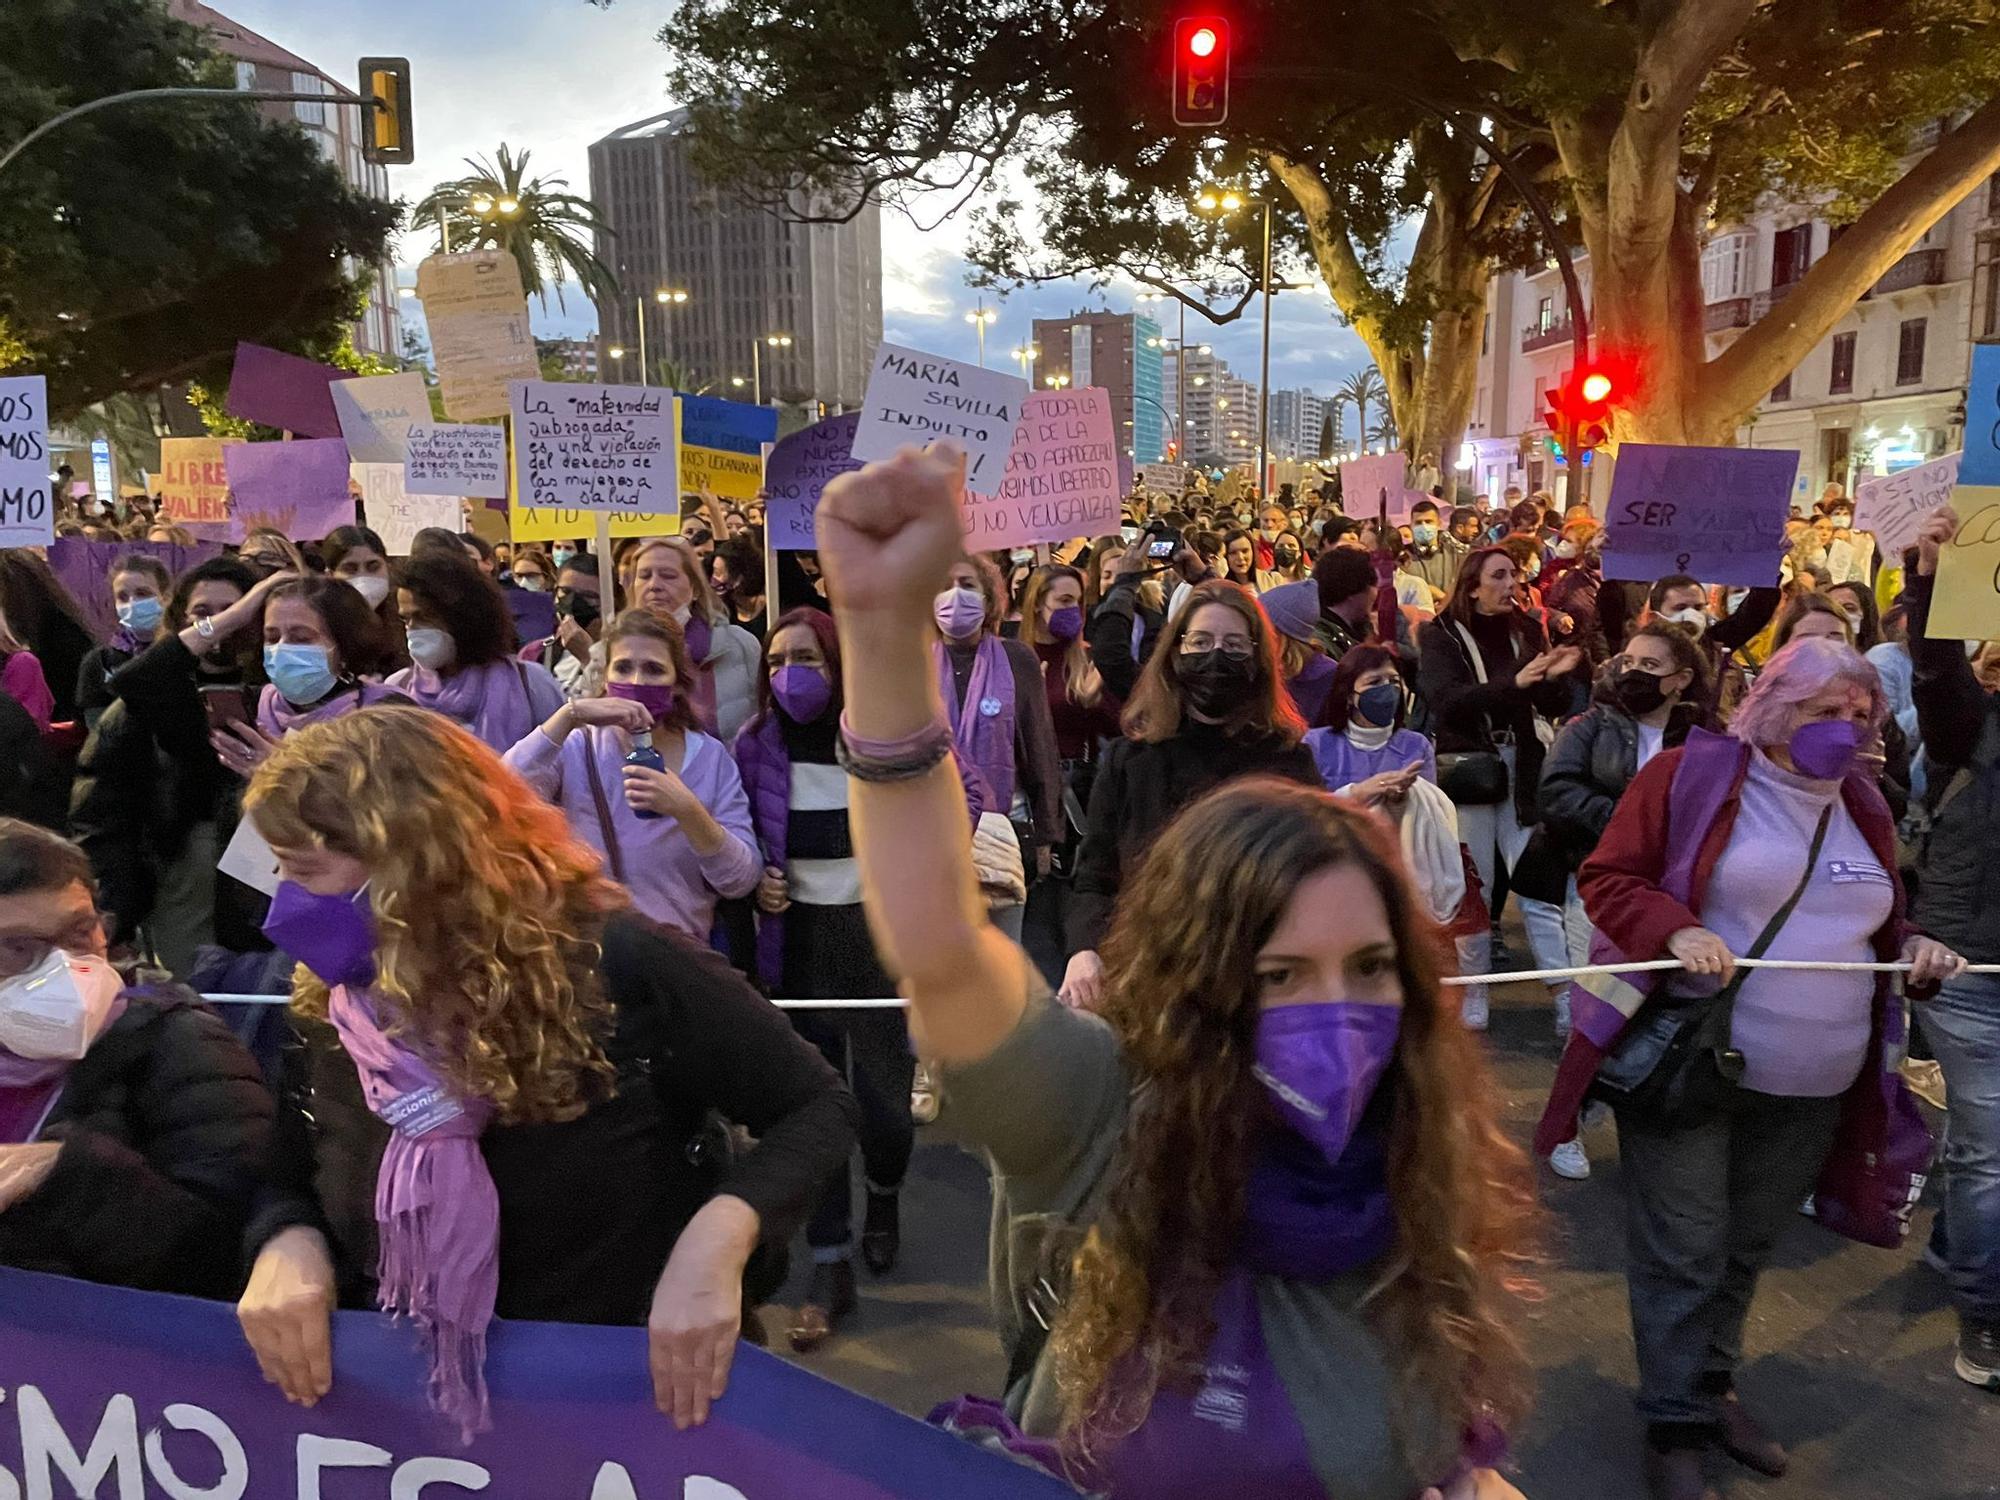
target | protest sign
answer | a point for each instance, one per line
(548, 523)
(117, 1392)
(27, 503)
(1163, 479)
(478, 321)
(1892, 507)
(1965, 602)
(1365, 482)
(1717, 514)
(283, 390)
(595, 447)
(395, 513)
(916, 398)
(85, 570)
(800, 468)
(1982, 418)
(722, 445)
(194, 485)
(1061, 478)
(452, 458)
(376, 412)
(298, 488)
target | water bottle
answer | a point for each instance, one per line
(643, 754)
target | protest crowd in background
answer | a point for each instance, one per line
(1167, 834)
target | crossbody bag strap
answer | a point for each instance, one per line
(1726, 996)
(610, 829)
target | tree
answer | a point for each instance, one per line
(139, 244)
(1329, 429)
(1360, 390)
(548, 231)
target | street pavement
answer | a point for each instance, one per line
(1848, 1349)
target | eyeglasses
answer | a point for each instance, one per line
(1237, 647)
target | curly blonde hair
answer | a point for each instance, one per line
(487, 912)
(1180, 965)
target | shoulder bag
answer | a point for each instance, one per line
(1472, 778)
(613, 855)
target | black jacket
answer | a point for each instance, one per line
(1593, 760)
(1958, 865)
(165, 1126)
(31, 781)
(1467, 715)
(1140, 788)
(1110, 637)
(590, 1209)
(93, 682)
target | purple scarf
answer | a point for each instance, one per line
(490, 700)
(277, 717)
(437, 1212)
(983, 724)
(1310, 1219)
(129, 641)
(30, 1086)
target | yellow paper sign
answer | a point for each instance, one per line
(193, 482)
(1966, 603)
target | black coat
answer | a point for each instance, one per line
(1466, 714)
(1110, 637)
(590, 1209)
(1140, 788)
(93, 682)
(1958, 869)
(1593, 760)
(165, 1127)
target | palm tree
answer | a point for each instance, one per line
(547, 230)
(1362, 388)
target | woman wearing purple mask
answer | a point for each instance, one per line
(1769, 842)
(999, 713)
(674, 826)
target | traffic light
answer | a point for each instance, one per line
(1581, 406)
(387, 136)
(1201, 70)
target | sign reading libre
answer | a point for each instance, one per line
(194, 484)
(595, 447)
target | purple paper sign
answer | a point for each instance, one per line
(299, 488)
(1717, 514)
(283, 391)
(163, 1396)
(85, 570)
(799, 468)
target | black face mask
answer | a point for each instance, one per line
(1286, 556)
(582, 609)
(1638, 692)
(1216, 683)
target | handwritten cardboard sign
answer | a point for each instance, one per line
(298, 488)
(1163, 479)
(194, 485)
(1061, 478)
(1366, 481)
(478, 321)
(27, 502)
(1966, 603)
(917, 398)
(722, 445)
(596, 447)
(1717, 514)
(455, 458)
(283, 390)
(395, 512)
(800, 468)
(376, 412)
(1893, 507)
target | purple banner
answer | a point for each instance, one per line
(283, 391)
(799, 468)
(300, 488)
(114, 1392)
(85, 570)
(1717, 514)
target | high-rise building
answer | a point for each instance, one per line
(334, 129)
(1121, 354)
(751, 275)
(1222, 409)
(1296, 418)
(577, 358)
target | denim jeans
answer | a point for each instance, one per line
(870, 1049)
(1963, 1025)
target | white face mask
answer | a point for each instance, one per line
(534, 584)
(374, 587)
(1695, 619)
(1566, 549)
(431, 647)
(56, 1009)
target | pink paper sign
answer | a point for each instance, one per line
(299, 488)
(284, 391)
(1365, 482)
(1061, 479)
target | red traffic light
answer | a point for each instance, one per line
(1202, 41)
(1596, 387)
(1201, 70)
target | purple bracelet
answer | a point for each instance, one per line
(893, 760)
(910, 744)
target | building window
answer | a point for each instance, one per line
(308, 112)
(1992, 282)
(1545, 315)
(1910, 352)
(1486, 334)
(246, 75)
(1782, 391)
(1791, 253)
(1725, 267)
(1842, 379)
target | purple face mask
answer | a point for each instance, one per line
(802, 692)
(1066, 624)
(657, 700)
(1322, 1062)
(334, 936)
(960, 612)
(1825, 748)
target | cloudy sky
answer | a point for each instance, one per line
(551, 76)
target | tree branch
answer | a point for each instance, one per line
(1676, 60)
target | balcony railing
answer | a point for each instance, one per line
(1763, 302)
(1731, 312)
(1546, 335)
(1918, 268)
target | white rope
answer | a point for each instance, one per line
(1519, 977)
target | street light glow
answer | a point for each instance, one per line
(736, 380)
(983, 315)
(670, 295)
(510, 205)
(778, 340)
(1231, 202)
(481, 204)
(615, 352)
(1208, 203)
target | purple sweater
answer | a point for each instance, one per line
(1801, 1035)
(669, 881)
(1341, 762)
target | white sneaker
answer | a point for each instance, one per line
(1562, 1014)
(923, 1097)
(1568, 1160)
(1475, 1012)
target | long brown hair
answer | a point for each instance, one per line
(650, 626)
(1080, 676)
(1154, 714)
(1181, 994)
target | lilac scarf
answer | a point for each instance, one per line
(490, 700)
(983, 725)
(277, 717)
(437, 1212)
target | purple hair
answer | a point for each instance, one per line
(1795, 674)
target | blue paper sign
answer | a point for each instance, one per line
(1982, 418)
(114, 1392)
(730, 426)
(800, 468)
(1716, 514)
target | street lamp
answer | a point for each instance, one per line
(1025, 356)
(1216, 200)
(664, 297)
(1055, 382)
(481, 205)
(980, 317)
(773, 340)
